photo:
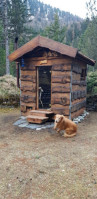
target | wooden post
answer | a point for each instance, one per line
(17, 73)
(37, 89)
(70, 94)
(17, 64)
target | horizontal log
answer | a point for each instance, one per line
(76, 76)
(25, 108)
(50, 60)
(28, 78)
(75, 82)
(83, 83)
(78, 82)
(27, 83)
(60, 89)
(76, 68)
(29, 88)
(60, 84)
(28, 93)
(80, 63)
(77, 113)
(83, 93)
(29, 104)
(78, 94)
(27, 72)
(78, 87)
(61, 111)
(28, 67)
(61, 67)
(59, 106)
(28, 99)
(62, 101)
(61, 73)
(61, 79)
(78, 106)
(74, 95)
(78, 100)
(61, 95)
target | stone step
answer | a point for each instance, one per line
(36, 119)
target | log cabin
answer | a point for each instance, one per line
(52, 79)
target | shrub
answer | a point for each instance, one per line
(92, 83)
(9, 93)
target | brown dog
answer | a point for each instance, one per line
(62, 123)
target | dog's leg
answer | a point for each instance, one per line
(55, 127)
(69, 133)
(58, 131)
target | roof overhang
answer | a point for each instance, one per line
(44, 42)
(85, 59)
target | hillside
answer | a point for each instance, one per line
(42, 15)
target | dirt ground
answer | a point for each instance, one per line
(45, 165)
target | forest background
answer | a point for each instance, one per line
(25, 19)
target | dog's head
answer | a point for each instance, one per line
(58, 118)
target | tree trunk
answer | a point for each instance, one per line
(6, 38)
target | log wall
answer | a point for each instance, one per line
(78, 94)
(68, 90)
(61, 78)
(60, 83)
(28, 89)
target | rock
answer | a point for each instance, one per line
(38, 129)
(23, 125)
(75, 121)
(9, 185)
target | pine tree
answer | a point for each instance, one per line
(17, 12)
(55, 31)
(14, 15)
(2, 51)
(4, 14)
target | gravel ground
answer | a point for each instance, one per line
(45, 165)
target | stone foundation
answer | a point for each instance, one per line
(81, 117)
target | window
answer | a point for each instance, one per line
(83, 74)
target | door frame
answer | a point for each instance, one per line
(37, 85)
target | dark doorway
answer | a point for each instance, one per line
(44, 87)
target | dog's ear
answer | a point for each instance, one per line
(61, 118)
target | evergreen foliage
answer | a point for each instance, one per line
(88, 40)
(2, 51)
(55, 31)
(12, 25)
(92, 83)
(17, 13)
(45, 14)
(28, 18)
